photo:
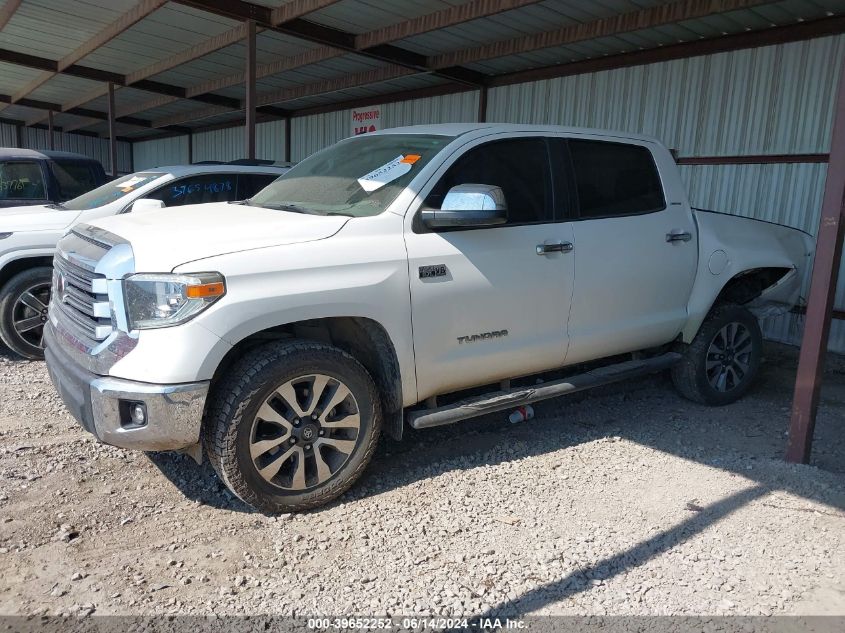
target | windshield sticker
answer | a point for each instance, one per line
(388, 172)
(130, 184)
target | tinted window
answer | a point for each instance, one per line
(21, 180)
(520, 167)
(197, 190)
(251, 184)
(615, 179)
(73, 178)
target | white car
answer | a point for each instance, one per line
(418, 276)
(28, 234)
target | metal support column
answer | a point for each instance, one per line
(51, 139)
(190, 148)
(112, 134)
(482, 105)
(822, 293)
(249, 132)
(287, 140)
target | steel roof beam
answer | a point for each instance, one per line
(297, 8)
(121, 24)
(327, 36)
(472, 10)
(7, 11)
(298, 92)
(661, 15)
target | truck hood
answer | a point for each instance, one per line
(165, 238)
(35, 218)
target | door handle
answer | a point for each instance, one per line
(677, 235)
(557, 247)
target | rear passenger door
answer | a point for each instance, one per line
(632, 281)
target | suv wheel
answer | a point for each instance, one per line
(293, 425)
(23, 311)
(722, 361)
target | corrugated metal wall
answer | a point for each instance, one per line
(312, 133)
(771, 100)
(97, 148)
(167, 151)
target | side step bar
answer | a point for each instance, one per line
(479, 405)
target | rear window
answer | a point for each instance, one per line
(73, 178)
(21, 180)
(615, 179)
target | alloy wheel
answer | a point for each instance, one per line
(729, 357)
(29, 314)
(305, 432)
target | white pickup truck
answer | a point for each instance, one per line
(418, 276)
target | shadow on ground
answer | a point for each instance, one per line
(731, 437)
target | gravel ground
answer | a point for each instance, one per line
(628, 500)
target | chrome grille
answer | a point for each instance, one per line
(81, 298)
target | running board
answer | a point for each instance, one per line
(479, 405)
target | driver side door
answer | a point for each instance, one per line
(487, 303)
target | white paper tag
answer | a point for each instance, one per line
(388, 172)
(131, 182)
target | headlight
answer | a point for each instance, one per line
(162, 300)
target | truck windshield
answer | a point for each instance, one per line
(358, 177)
(112, 191)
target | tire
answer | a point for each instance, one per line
(706, 374)
(252, 427)
(23, 311)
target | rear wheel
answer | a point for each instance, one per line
(23, 311)
(723, 359)
(293, 426)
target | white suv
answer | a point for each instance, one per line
(28, 235)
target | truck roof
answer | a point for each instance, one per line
(200, 168)
(458, 129)
(40, 154)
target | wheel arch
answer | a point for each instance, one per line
(19, 265)
(364, 338)
(745, 288)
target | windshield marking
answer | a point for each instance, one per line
(388, 172)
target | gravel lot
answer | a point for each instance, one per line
(625, 501)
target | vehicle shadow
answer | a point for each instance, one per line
(733, 438)
(198, 482)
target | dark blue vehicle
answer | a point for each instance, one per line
(43, 176)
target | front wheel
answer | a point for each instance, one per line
(23, 311)
(293, 425)
(720, 364)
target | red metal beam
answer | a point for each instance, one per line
(822, 293)
(7, 11)
(753, 159)
(660, 15)
(112, 136)
(249, 105)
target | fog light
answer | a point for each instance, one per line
(138, 413)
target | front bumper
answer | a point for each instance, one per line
(101, 404)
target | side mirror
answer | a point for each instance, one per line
(146, 204)
(470, 206)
